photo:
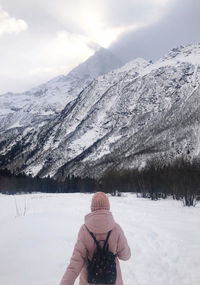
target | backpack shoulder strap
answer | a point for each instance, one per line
(96, 241)
(92, 235)
(106, 241)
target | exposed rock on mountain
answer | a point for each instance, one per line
(139, 111)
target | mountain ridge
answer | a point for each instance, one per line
(47, 99)
(140, 111)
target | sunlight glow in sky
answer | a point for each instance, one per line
(58, 35)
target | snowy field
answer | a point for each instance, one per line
(38, 232)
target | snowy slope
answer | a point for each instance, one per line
(41, 103)
(52, 137)
(121, 119)
(36, 247)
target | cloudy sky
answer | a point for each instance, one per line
(40, 39)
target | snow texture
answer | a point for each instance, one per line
(38, 233)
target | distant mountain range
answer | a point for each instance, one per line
(103, 115)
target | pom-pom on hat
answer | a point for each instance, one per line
(100, 201)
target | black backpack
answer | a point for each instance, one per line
(102, 268)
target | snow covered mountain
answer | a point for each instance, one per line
(34, 107)
(139, 111)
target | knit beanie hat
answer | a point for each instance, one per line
(100, 201)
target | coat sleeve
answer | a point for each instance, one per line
(123, 249)
(77, 260)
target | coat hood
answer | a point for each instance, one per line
(100, 221)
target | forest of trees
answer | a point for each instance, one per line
(12, 184)
(181, 180)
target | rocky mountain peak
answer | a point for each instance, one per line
(98, 64)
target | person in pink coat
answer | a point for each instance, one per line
(100, 221)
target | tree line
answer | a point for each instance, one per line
(180, 179)
(11, 183)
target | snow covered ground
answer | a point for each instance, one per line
(38, 232)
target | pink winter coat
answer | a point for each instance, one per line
(99, 222)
